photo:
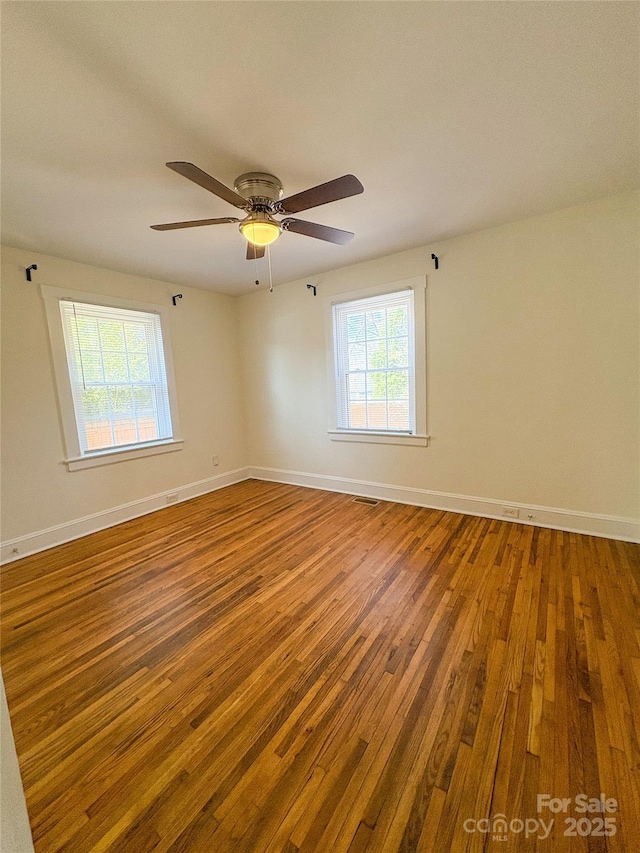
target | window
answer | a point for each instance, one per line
(113, 378)
(118, 379)
(378, 365)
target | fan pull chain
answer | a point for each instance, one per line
(255, 263)
(270, 278)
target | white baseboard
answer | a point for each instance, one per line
(609, 526)
(573, 521)
(22, 546)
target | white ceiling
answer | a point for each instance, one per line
(455, 116)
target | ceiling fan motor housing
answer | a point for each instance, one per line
(260, 188)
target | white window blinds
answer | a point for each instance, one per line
(374, 347)
(118, 376)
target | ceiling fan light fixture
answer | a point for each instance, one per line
(260, 229)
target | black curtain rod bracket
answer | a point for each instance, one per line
(434, 258)
(177, 296)
(312, 287)
(28, 270)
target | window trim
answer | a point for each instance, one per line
(420, 438)
(75, 460)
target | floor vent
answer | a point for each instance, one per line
(367, 501)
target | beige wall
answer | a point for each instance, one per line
(532, 384)
(533, 366)
(15, 833)
(37, 490)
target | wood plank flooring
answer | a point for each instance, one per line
(271, 669)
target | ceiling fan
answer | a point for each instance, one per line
(260, 195)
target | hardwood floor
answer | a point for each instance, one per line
(271, 668)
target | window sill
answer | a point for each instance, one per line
(379, 437)
(107, 457)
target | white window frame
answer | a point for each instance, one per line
(75, 459)
(419, 437)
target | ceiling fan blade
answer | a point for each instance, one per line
(193, 223)
(320, 232)
(188, 170)
(254, 252)
(343, 187)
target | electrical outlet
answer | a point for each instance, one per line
(511, 512)
(172, 498)
(216, 461)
